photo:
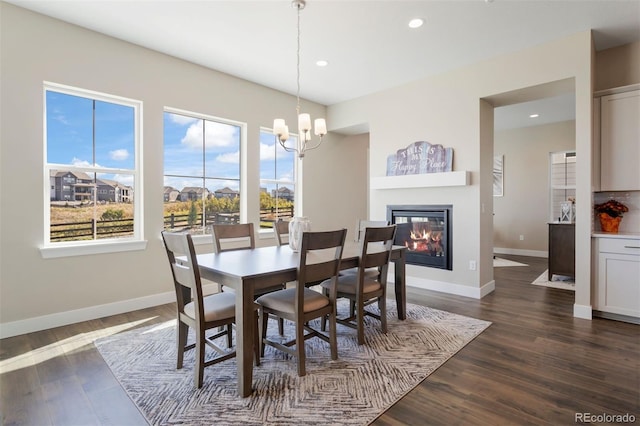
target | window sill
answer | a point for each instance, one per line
(73, 249)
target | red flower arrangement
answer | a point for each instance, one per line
(612, 207)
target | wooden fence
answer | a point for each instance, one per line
(74, 231)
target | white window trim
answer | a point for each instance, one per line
(77, 248)
(243, 153)
(297, 185)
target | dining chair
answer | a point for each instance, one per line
(197, 311)
(360, 228)
(240, 236)
(300, 304)
(362, 289)
(363, 224)
(281, 229)
(237, 236)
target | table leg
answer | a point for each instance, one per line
(401, 286)
(245, 318)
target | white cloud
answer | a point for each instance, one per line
(217, 134)
(267, 152)
(61, 118)
(182, 119)
(83, 163)
(231, 157)
(124, 179)
(119, 154)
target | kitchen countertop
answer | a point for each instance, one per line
(627, 235)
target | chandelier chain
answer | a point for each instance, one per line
(298, 65)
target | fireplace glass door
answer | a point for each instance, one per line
(425, 231)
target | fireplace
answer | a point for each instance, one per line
(426, 231)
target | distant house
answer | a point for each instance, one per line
(114, 191)
(226, 193)
(283, 193)
(170, 194)
(70, 186)
(190, 193)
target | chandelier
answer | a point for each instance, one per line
(280, 128)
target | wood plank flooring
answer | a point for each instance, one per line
(536, 365)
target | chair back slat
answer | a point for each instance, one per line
(237, 236)
(184, 269)
(281, 229)
(376, 250)
(362, 224)
(324, 252)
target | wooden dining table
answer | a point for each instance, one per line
(249, 270)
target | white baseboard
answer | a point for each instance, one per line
(521, 252)
(582, 311)
(450, 288)
(30, 325)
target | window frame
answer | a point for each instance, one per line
(567, 188)
(136, 241)
(296, 182)
(242, 184)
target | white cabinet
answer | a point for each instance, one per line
(620, 141)
(617, 289)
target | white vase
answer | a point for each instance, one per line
(297, 226)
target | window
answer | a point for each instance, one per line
(201, 171)
(91, 140)
(562, 180)
(277, 179)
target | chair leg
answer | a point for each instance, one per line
(300, 349)
(360, 321)
(281, 326)
(333, 338)
(382, 303)
(256, 340)
(264, 317)
(229, 335)
(183, 331)
(199, 355)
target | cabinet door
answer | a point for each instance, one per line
(620, 142)
(619, 284)
(562, 254)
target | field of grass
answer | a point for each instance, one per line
(85, 213)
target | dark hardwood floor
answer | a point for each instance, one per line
(536, 364)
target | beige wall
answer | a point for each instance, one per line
(36, 292)
(449, 109)
(619, 66)
(524, 208)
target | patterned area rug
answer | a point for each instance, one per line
(557, 281)
(364, 382)
(499, 262)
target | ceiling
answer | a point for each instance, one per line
(368, 44)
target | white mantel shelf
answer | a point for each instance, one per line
(426, 180)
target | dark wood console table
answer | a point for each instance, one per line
(562, 253)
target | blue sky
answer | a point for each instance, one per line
(70, 142)
(70, 139)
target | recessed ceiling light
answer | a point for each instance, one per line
(322, 63)
(416, 23)
(534, 116)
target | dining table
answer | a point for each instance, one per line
(248, 270)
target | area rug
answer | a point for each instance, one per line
(557, 281)
(354, 390)
(499, 262)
